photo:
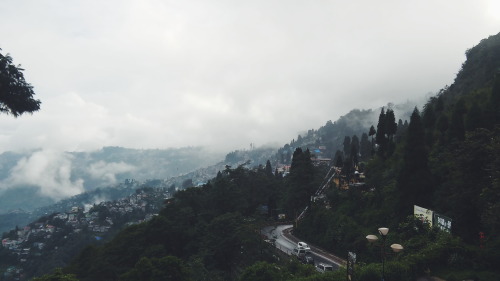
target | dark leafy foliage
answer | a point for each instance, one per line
(16, 95)
(58, 275)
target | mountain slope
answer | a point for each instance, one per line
(210, 232)
(447, 162)
(205, 234)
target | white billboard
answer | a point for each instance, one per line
(424, 214)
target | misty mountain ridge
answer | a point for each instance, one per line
(355, 122)
(28, 204)
(447, 161)
(85, 200)
(41, 177)
(199, 218)
(37, 178)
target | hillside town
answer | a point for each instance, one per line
(54, 235)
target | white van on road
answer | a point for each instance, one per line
(321, 267)
(303, 245)
(299, 252)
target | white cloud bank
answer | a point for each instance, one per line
(220, 73)
(53, 173)
(106, 172)
(47, 169)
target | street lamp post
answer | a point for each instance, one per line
(395, 247)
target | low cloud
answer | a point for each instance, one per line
(95, 201)
(224, 74)
(107, 172)
(47, 169)
(57, 176)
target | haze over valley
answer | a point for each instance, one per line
(242, 141)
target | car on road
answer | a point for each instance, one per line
(299, 253)
(307, 259)
(322, 267)
(303, 245)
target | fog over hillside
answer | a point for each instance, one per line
(32, 179)
(36, 178)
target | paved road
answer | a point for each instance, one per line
(286, 245)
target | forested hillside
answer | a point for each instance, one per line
(55, 238)
(331, 137)
(205, 233)
(445, 159)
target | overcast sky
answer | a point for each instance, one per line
(224, 73)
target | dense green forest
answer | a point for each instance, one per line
(205, 233)
(446, 158)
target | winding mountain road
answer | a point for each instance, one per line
(286, 242)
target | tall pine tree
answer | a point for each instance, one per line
(390, 129)
(380, 138)
(347, 146)
(364, 147)
(300, 181)
(415, 180)
(371, 133)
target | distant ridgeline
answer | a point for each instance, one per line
(330, 138)
(21, 218)
(27, 184)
